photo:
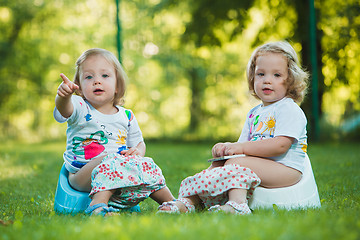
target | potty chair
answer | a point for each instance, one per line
(303, 194)
(69, 200)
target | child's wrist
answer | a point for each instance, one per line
(239, 147)
(64, 96)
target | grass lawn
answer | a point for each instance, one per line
(29, 174)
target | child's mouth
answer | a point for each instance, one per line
(97, 91)
(267, 90)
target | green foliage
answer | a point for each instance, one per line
(29, 174)
(209, 16)
(341, 44)
(185, 60)
(38, 41)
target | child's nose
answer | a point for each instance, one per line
(267, 79)
(97, 80)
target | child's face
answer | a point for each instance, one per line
(271, 72)
(98, 82)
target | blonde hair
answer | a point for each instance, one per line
(121, 76)
(297, 80)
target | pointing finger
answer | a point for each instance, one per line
(69, 83)
(65, 79)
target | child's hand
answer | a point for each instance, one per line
(219, 150)
(226, 149)
(67, 87)
(131, 151)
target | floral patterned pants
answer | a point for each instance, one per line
(133, 177)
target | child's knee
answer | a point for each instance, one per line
(238, 161)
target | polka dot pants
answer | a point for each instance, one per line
(211, 185)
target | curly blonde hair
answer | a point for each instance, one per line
(121, 76)
(297, 81)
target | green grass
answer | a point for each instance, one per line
(29, 174)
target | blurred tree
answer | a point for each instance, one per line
(206, 17)
(186, 99)
(284, 20)
(38, 40)
(15, 15)
(210, 15)
(341, 51)
(184, 59)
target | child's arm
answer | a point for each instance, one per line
(63, 97)
(270, 147)
(138, 150)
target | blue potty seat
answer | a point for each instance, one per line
(69, 200)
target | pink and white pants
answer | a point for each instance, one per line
(212, 185)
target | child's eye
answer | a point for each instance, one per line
(105, 75)
(88, 77)
(277, 75)
(261, 74)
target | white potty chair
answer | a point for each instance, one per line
(303, 194)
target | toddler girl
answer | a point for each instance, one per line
(273, 141)
(105, 148)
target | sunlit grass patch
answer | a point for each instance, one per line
(29, 174)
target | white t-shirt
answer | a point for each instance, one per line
(91, 134)
(283, 118)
